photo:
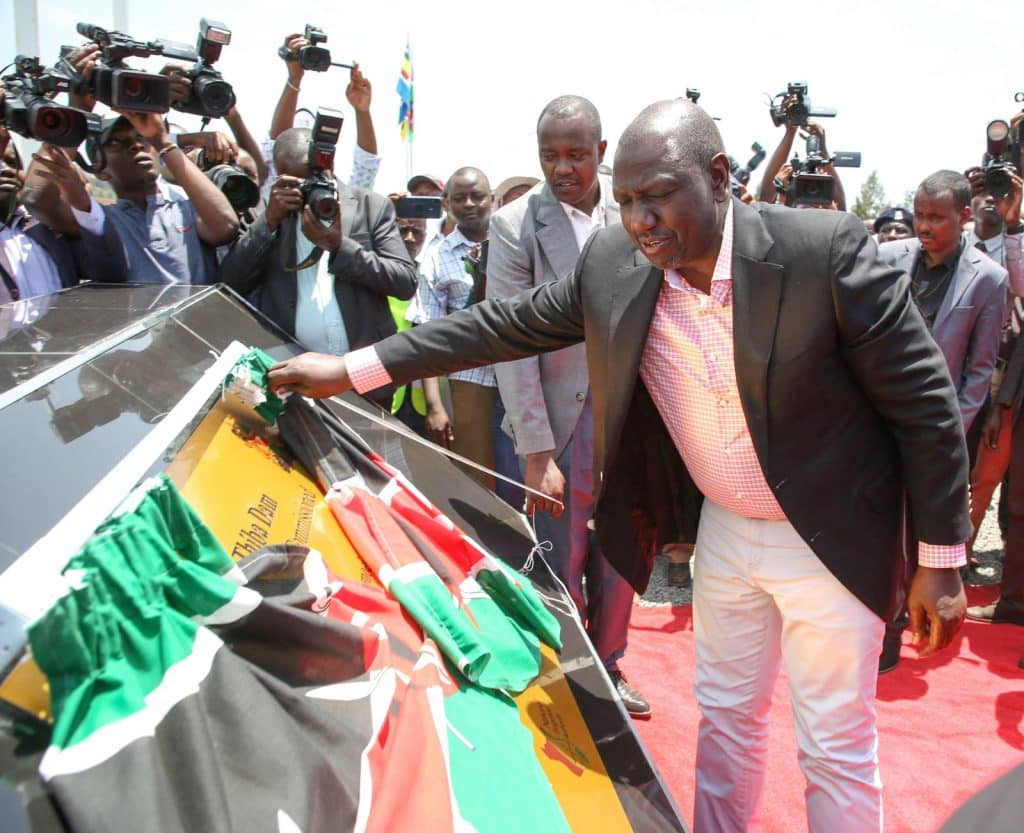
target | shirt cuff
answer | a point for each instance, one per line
(90, 221)
(940, 556)
(365, 370)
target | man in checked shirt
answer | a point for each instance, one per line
(444, 287)
(761, 371)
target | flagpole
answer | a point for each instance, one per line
(412, 101)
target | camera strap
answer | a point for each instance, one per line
(310, 260)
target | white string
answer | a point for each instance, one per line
(404, 431)
(556, 602)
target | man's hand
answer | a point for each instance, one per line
(358, 92)
(218, 149)
(976, 176)
(543, 475)
(815, 129)
(311, 374)
(285, 198)
(937, 606)
(181, 84)
(53, 165)
(993, 424)
(150, 126)
(82, 60)
(327, 238)
(439, 427)
(293, 43)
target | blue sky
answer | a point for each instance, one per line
(915, 83)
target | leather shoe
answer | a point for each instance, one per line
(632, 699)
(678, 574)
(890, 656)
(996, 613)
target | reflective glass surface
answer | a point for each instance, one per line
(61, 438)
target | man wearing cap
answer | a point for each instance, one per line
(427, 185)
(168, 233)
(962, 296)
(894, 223)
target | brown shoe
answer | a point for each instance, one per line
(678, 574)
(996, 613)
(632, 699)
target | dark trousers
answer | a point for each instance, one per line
(1012, 586)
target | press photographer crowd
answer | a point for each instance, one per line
(340, 267)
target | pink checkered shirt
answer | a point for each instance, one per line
(688, 366)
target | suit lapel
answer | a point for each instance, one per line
(349, 208)
(965, 275)
(757, 292)
(555, 234)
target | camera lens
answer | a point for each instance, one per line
(215, 96)
(240, 191)
(324, 205)
(998, 182)
(59, 125)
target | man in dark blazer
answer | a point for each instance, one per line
(801, 435)
(361, 249)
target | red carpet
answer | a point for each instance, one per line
(948, 725)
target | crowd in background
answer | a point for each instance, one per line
(140, 202)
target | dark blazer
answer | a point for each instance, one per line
(846, 395)
(371, 264)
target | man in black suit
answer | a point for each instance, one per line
(793, 444)
(339, 300)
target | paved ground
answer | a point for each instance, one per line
(988, 549)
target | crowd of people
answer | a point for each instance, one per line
(793, 384)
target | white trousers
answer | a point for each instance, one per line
(761, 596)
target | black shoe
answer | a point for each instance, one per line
(890, 656)
(632, 699)
(678, 574)
(996, 613)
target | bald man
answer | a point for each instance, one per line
(762, 381)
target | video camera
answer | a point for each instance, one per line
(314, 57)
(1003, 155)
(29, 111)
(319, 189)
(810, 187)
(117, 85)
(743, 174)
(797, 111)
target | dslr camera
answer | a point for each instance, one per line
(810, 187)
(29, 111)
(211, 96)
(233, 182)
(319, 189)
(314, 57)
(1001, 157)
(798, 110)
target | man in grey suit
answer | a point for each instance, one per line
(533, 241)
(962, 295)
(759, 370)
(338, 300)
(961, 292)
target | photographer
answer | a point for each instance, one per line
(167, 233)
(359, 93)
(781, 155)
(337, 300)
